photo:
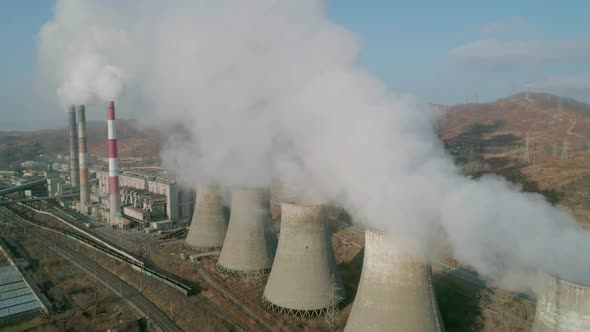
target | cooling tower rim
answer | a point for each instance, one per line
(573, 284)
(567, 283)
(303, 204)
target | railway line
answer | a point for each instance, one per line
(127, 292)
(199, 300)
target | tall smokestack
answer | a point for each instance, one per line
(562, 307)
(83, 162)
(395, 290)
(73, 130)
(304, 280)
(114, 195)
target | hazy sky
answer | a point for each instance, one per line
(441, 51)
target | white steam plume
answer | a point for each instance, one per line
(273, 88)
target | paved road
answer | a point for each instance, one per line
(130, 294)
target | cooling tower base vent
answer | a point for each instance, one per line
(298, 313)
(202, 250)
(239, 273)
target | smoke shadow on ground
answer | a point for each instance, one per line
(459, 303)
(351, 274)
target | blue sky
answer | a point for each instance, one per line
(442, 51)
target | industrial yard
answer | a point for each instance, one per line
(294, 166)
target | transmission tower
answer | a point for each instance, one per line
(564, 148)
(555, 151)
(526, 155)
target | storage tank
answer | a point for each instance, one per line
(248, 247)
(303, 280)
(208, 226)
(395, 292)
(562, 306)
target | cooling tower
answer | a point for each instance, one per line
(562, 307)
(114, 195)
(303, 280)
(73, 131)
(208, 227)
(83, 160)
(248, 245)
(395, 292)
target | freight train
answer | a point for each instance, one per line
(136, 265)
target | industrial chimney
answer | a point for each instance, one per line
(248, 245)
(208, 226)
(562, 307)
(114, 195)
(395, 292)
(73, 131)
(303, 280)
(83, 160)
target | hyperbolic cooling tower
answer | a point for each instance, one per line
(73, 131)
(303, 280)
(248, 245)
(562, 307)
(114, 194)
(208, 227)
(83, 160)
(395, 292)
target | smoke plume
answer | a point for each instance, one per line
(273, 89)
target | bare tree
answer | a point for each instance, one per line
(331, 317)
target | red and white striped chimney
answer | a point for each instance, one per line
(114, 195)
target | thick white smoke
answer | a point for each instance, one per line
(272, 88)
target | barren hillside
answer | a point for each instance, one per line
(492, 137)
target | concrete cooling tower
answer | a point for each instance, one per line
(248, 246)
(395, 292)
(303, 280)
(208, 227)
(562, 307)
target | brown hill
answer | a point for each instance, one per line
(134, 142)
(493, 137)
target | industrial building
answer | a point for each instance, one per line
(208, 226)
(562, 306)
(395, 292)
(303, 280)
(249, 243)
(146, 197)
(17, 299)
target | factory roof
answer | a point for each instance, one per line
(16, 296)
(150, 174)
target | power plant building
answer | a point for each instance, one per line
(562, 307)
(303, 280)
(395, 292)
(249, 243)
(145, 197)
(208, 226)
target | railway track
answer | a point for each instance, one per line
(199, 300)
(127, 292)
